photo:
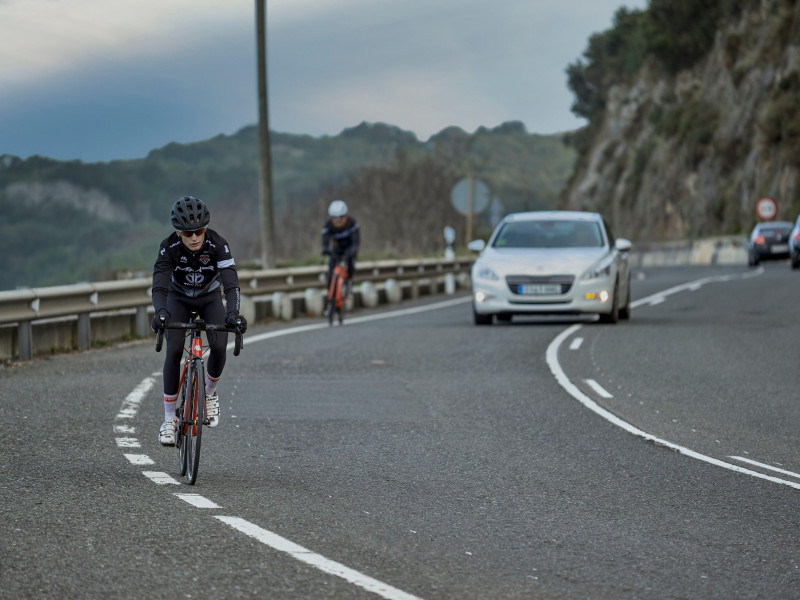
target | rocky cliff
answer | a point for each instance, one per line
(687, 153)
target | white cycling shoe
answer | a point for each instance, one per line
(166, 434)
(212, 410)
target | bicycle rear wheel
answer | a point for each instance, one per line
(196, 414)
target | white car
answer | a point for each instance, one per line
(551, 262)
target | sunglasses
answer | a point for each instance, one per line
(197, 232)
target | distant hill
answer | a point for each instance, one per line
(69, 221)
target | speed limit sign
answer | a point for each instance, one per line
(766, 208)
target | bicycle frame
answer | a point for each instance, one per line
(191, 391)
(338, 279)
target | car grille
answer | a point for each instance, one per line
(514, 281)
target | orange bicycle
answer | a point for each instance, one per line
(337, 291)
(191, 411)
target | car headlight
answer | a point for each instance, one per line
(484, 272)
(601, 270)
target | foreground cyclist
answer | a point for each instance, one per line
(192, 264)
(340, 239)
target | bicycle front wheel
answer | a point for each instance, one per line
(196, 414)
(180, 434)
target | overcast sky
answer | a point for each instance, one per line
(99, 80)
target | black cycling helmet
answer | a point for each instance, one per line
(189, 213)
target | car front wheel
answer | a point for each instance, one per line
(481, 319)
(612, 316)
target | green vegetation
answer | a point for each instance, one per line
(672, 34)
(68, 221)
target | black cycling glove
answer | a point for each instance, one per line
(234, 320)
(160, 319)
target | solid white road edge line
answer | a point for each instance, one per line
(763, 466)
(572, 390)
(313, 559)
(352, 321)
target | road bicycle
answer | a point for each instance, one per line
(191, 410)
(337, 291)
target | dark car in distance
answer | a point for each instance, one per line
(769, 241)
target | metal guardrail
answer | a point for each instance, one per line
(26, 306)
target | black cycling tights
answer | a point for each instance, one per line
(209, 307)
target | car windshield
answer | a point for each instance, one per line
(549, 234)
(782, 228)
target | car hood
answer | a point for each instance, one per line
(541, 261)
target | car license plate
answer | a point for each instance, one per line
(780, 248)
(540, 289)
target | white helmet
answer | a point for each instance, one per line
(337, 208)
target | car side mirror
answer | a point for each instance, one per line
(623, 245)
(476, 245)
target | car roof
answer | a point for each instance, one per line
(774, 224)
(554, 215)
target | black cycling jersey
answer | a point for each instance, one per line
(342, 240)
(194, 274)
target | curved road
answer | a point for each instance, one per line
(411, 454)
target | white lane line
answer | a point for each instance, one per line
(198, 501)
(597, 388)
(160, 478)
(318, 561)
(763, 466)
(660, 297)
(127, 442)
(130, 405)
(139, 459)
(576, 343)
(354, 320)
(572, 390)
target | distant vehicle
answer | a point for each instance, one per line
(768, 241)
(794, 245)
(551, 262)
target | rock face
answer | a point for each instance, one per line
(686, 155)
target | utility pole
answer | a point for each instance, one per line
(265, 170)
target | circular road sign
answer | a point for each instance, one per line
(766, 208)
(459, 196)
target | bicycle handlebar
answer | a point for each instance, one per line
(201, 326)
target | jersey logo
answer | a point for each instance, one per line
(194, 279)
(162, 251)
(205, 259)
(183, 259)
(226, 249)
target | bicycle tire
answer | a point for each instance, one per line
(197, 413)
(332, 298)
(180, 438)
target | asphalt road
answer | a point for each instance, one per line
(415, 455)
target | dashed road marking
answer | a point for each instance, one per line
(160, 478)
(127, 442)
(575, 392)
(598, 388)
(130, 405)
(198, 501)
(576, 343)
(139, 459)
(318, 561)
